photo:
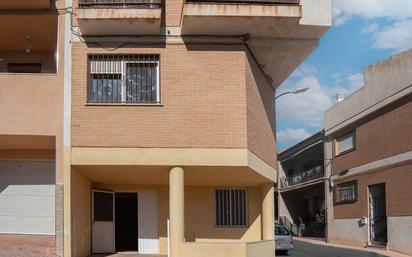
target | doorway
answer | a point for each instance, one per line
(126, 222)
(377, 215)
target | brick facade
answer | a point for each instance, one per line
(205, 103)
(383, 134)
(397, 183)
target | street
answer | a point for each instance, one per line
(303, 249)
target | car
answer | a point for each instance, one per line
(283, 239)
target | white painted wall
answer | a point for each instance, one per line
(348, 231)
(147, 222)
(27, 197)
(400, 234)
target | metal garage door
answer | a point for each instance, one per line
(27, 190)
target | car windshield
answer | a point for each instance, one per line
(281, 231)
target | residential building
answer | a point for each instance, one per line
(301, 187)
(368, 156)
(145, 126)
(32, 68)
(173, 119)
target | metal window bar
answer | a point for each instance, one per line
(231, 208)
(292, 2)
(120, 3)
(124, 79)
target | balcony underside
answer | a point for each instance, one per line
(101, 22)
(151, 166)
(24, 4)
(276, 36)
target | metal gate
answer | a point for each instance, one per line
(377, 213)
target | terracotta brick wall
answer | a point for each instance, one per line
(381, 135)
(397, 186)
(173, 9)
(260, 114)
(203, 97)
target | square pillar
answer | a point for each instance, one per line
(177, 206)
(268, 211)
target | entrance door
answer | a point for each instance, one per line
(126, 222)
(103, 222)
(377, 205)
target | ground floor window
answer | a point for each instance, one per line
(346, 192)
(231, 207)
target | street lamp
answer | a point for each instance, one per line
(295, 91)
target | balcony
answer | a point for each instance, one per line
(24, 4)
(281, 32)
(119, 17)
(302, 177)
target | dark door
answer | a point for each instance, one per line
(126, 222)
(306, 215)
(377, 209)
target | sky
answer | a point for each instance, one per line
(363, 32)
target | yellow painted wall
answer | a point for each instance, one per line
(81, 213)
(199, 214)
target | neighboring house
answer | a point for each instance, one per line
(31, 131)
(301, 187)
(155, 117)
(369, 142)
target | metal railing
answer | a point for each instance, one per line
(301, 177)
(120, 3)
(247, 1)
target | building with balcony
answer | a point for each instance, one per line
(145, 126)
(31, 126)
(370, 147)
(172, 123)
(301, 187)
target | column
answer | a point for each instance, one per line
(268, 211)
(176, 205)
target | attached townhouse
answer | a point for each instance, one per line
(32, 72)
(146, 126)
(368, 158)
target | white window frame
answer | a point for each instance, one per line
(338, 140)
(350, 189)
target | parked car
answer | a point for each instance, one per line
(283, 240)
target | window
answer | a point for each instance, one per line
(346, 192)
(346, 143)
(231, 208)
(281, 231)
(124, 79)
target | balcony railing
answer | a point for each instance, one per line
(246, 1)
(120, 3)
(302, 177)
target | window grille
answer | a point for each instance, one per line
(128, 79)
(346, 192)
(231, 207)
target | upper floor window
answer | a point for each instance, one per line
(131, 79)
(345, 143)
(346, 192)
(231, 208)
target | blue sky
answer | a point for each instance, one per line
(364, 32)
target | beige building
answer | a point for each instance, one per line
(32, 74)
(156, 117)
(368, 153)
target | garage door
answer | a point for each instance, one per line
(27, 197)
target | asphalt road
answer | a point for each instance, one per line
(303, 249)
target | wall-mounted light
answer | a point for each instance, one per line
(27, 45)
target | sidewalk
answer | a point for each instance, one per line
(372, 250)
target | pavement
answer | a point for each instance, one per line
(317, 248)
(27, 246)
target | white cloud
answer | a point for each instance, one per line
(397, 37)
(307, 109)
(291, 136)
(371, 28)
(369, 9)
